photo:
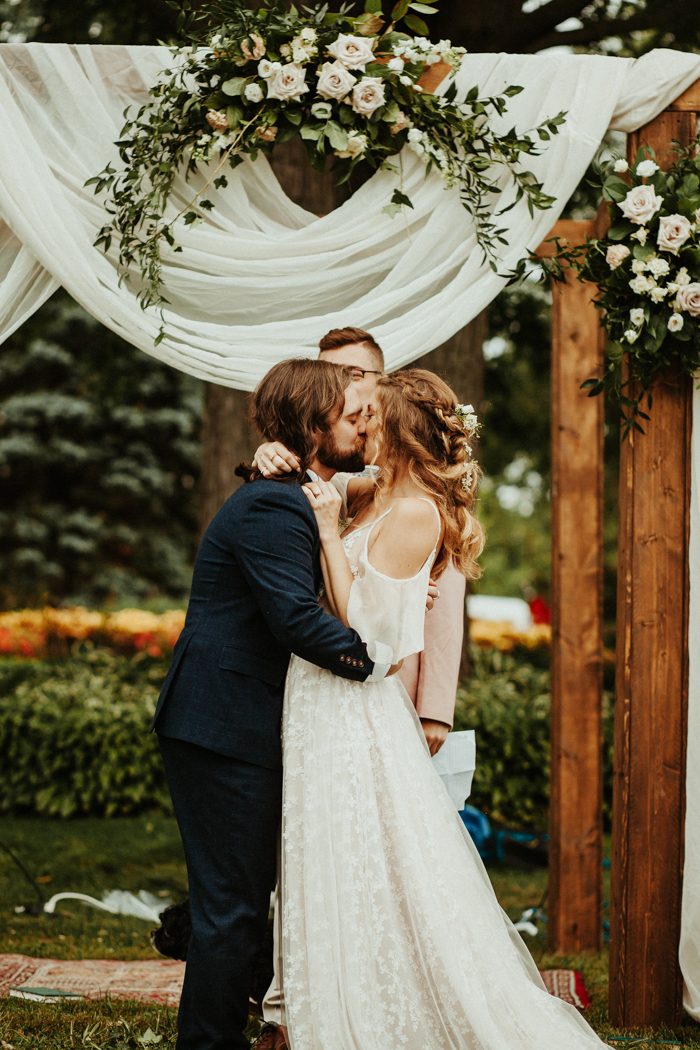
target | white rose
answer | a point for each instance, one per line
(288, 84)
(267, 69)
(368, 96)
(355, 146)
(395, 65)
(253, 92)
(646, 169)
(640, 285)
(322, 110)
(631, 335)
(682, 277)
(334, 80)
(285, 50)
(675, 323)
(674, 231)
(353, 52)
(620, 166)
(640, 235)
(309, 35)
(406, 81)
(637, 317)
(639, 266)
(640, 204)
(657, 295)
(415, 135)
(688, 299)
(616, 254)
(659, 267)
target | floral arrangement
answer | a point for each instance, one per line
(348, 85)
(35, 633)
(647, 269)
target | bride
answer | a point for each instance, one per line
(392, 935)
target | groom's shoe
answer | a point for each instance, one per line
(272, 1037)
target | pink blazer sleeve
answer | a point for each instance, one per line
(431, 677)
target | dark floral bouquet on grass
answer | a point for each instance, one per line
(350, 86)
(647, 269)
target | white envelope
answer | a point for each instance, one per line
(456, 762)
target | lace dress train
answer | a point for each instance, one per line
(392, 934)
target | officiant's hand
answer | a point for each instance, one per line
(273, 459)
(433, 595)
(435, 734)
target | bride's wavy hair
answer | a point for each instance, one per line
(421, 432)
(295, 401)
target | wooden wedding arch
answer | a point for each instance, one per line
(651, 659)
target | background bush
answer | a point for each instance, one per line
(507, 702)
(74, 736)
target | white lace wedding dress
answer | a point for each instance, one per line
(392, 935)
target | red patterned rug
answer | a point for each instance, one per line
(154, 980)
(160, 980)
(567, 985)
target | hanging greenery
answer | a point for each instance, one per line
(647, 270)
(348, 85)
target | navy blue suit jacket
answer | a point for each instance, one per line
(253, 603)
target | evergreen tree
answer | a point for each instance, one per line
(99, 459)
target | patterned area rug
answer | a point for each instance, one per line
(152, 980)
(160, 980)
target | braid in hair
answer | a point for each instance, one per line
(426, 431)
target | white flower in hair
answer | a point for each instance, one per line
(467, 417)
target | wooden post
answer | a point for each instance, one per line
(575, 822)
(652, 680)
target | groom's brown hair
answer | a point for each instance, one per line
(295, 400)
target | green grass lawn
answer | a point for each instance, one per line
(93, 856)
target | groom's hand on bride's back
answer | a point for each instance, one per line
(273, 460)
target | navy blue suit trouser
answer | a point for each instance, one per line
(228, 812)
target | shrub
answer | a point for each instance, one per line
(74, 736)
(507, 702)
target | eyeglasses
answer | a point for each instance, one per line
(360, 373)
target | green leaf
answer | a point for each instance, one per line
(234, 86)
(337, 137)
(401, 199)
(424, 9)
(373, 7)
(399, 10)
(293, 116)
(417, 25)
(311, 132)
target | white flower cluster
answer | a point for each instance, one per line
(653, 274)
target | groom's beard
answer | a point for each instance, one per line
(350, 459)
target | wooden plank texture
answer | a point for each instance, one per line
(651, 688)
(574, 909)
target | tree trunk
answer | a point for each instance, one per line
(227, 438)
(460, 362)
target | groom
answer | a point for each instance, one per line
(253, 603)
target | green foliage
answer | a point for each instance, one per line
(268, 59)
(647, 271)
(75, 736)
(507, 702)
(99, 457)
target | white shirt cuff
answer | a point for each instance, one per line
(380, 671)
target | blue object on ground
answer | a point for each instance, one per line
(479, 827)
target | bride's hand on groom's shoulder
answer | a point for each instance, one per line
(326, 504)
(273, 459)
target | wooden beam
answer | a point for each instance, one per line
(575, 857)
(651, 690)
(689, 100)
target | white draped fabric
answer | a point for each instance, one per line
(690, 916)
(261, 279)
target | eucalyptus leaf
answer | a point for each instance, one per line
(234, 86)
